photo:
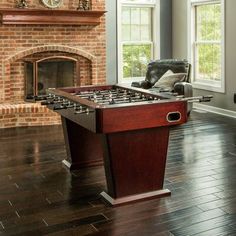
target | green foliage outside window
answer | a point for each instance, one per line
(135, 60)
(209, 61)
(137, 40)
(208, 37)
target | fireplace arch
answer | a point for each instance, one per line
(9, 74)
(50, 72)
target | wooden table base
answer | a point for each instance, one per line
(134, 161)
(134, 198)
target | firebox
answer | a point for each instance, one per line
(50, 72)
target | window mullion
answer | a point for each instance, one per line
(207, 42)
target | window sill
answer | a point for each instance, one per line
(209, 87)
(130, 80)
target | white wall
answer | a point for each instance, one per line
(111, 42)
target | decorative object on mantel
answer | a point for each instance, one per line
(52, 3)
(49, 17)
(84, 5)
(22, 4)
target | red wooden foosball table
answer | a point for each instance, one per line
(125, 129)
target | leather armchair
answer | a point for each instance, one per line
(156, 69)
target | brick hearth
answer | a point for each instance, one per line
(13, 115)
(21, 42)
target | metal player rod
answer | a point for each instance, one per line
(204, 98)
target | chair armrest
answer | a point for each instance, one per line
(183, 88)
(141, 84)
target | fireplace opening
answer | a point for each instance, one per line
(51, 72)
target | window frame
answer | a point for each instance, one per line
(215, 86)
(155, 43)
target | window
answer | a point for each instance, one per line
(136, 38)
(207, 44)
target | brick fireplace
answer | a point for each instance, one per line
(24, 43)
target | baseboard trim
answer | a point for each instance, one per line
(215, 110)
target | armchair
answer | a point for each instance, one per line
(160, 77)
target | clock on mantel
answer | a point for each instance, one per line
(52, 3)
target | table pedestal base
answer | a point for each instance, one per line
(135, 198)
(134, 160)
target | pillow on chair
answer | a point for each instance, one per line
(168, 80)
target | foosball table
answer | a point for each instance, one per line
(125, 129)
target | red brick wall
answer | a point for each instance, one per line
(18, 42)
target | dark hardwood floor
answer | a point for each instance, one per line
(39, 196)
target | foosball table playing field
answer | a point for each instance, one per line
(125, 129)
